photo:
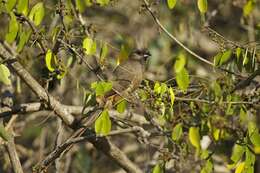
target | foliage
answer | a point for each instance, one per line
(198, 100)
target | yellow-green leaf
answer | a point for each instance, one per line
(225, 57)
(217, 59)
(157, 169)
(180, 63)
(248, 8)
(103, 123)
(194, 137)
(171, 3)
(203, 5)
(22, 6)
(4, 75)
(240, 168)
(121, 106)
(101, 88)
(172, 96)
(80, 5)
(103, 53)
(89, 45)
(183, 79)
(177, 132)
(37, 13)
(10, 4)
(23, 38)
(12, 29)
(50, 60)
(216, 134)
(237, 153)
(103, 2)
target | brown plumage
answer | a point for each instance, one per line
(128, 76)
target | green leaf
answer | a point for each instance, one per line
(103, 123)
(180, 63)
(248, 8)
(194, 137)
(238, 52)
(50, 60)
(245, 58)
(217, 89)
(208, 167)
(225, 57)
(177, 132)
(12, 29)
(23, 38)
(171, 3)
(37, 13)
(89, 45)
(172, 96)
(4, 134)
(217, 59)
(103, 2)
(240, 168)
(250, 158)
(10, 5)
(202, 5)
(253, 133)
(121, 106)
(237, 153)
(80, 6)
(101, 88)
(183, 79)
(22, 7)
(4, 75)
(103, 53)
(157, 169)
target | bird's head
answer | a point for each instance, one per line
(141, 54)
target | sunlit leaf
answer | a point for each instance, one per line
(103, 53)
(254, 134)
(103, 2)
(4, 75)
(10, 4)
(194, 137)
(157, 169)
(225, 57)
(12, 29)
(248, 8)
(183, 79)
(216, 134)
(121, 106)
(171, 3)
(102, 87)
(50, 60)
(208, 167)
(250, 158)
(172, 96)
(89, 45)
(203, 5)
(180, 63)
(23, 39)
(37, 13)
(177, 132)
(217, 59)
(22, 6)
(240, 167)
(237, 153)
(80, 6)
(103, 123)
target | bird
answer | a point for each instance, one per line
(127, 76)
